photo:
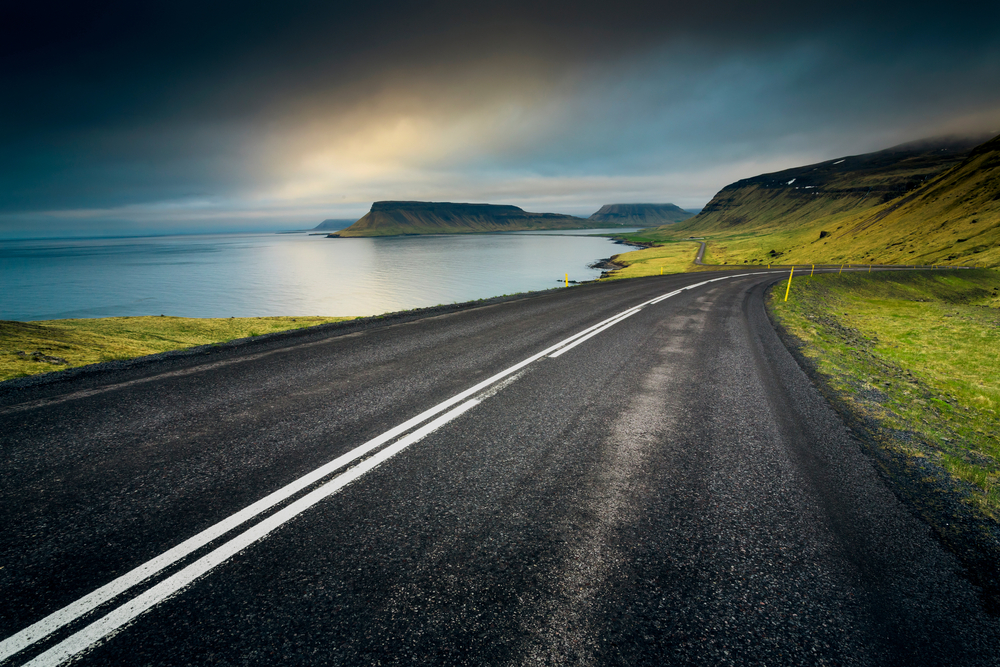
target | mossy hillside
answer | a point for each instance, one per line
(29, 348)
(944, 212)
(920, 233)
(919, 354)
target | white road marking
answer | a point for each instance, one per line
(59, 619)
(68, 614)
(569, 347)
(105, 626)
(630, 312)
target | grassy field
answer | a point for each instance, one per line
(918, 353)
(29, 348)
(672, 257)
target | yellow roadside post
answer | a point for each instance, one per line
(841, 269)
(813, 269)
(789, 288)
(567, 280)
(661, 270)
(869, 268)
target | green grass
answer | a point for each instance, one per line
(923, 209)
(919, 352)
(915, 211)
(29, 348)
(672, 257)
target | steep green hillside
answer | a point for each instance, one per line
(925, 203)
(954, 218)
(842, 186)
(640, 215)
(394, 218)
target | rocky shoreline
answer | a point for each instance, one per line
(609, 266)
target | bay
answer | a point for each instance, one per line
(248, 275)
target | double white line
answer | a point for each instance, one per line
(124, 614)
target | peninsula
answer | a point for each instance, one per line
(396, 218)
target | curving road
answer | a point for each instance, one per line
(595, 475)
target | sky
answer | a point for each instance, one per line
(126, 118)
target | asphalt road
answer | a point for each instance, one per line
(669, 490)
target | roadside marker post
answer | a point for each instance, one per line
(841, 269)
(789, 288)
(567, 280)
(869, 268)
(812, 270)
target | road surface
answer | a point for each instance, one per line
(594, 475)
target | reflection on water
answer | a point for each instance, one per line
(245, 275)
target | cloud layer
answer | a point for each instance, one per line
(134, 117)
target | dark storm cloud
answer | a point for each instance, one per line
(115, 105)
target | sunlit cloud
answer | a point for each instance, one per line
(309, 113)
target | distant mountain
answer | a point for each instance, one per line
(640, 215)
(333, 224)
(395, 218)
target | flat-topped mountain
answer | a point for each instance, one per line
(395, 218)
(640, 215)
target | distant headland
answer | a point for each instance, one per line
(641, 215)
(397, 218)
(333, 224)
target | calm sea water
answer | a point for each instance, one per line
(244, 275)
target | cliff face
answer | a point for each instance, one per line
(395, 218)
(640, 215)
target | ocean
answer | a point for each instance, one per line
(247, 275)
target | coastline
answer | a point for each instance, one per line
(260, 343)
